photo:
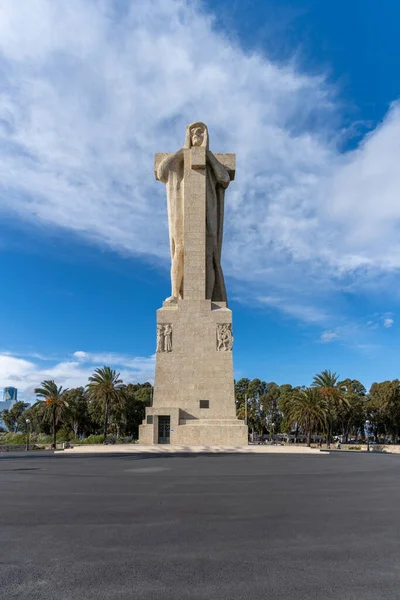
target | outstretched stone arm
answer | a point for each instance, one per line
(220, 171)
(167, 164)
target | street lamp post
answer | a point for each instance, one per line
(272, 434)
(367, 424)
(27, 421)
(245, 416)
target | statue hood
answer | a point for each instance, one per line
(188, 142)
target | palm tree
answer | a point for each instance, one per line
(105, 385)
(327, 384)
(53, 403)
(325, 379)
(308, 409)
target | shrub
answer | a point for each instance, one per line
(93, 439)
(63, 435)
(125, 440)
(14, 438)
(42, 438)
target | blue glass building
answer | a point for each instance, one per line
(9, 398)
(10, 394)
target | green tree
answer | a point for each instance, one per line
(269, 408)
(137, 397)
(53, 404)
(105, 386)
(241, 392)
(327, 383)
(352, 413)
(309, 410)
(286, 397)
(256, 410)
(12, 415)
(77, 415)
(384, 408)
(252, 390)
(39, 419)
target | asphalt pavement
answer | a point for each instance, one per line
(200, 527)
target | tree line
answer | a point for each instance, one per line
(329, 408)
(107, 407)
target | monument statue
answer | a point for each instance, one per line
(160, 338)
(168, 337)
(164, 338)
(194, 396)
(171, 171)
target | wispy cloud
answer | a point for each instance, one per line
(301, 311)
(329, 336)
(134, 363)
(380, 319)
(388, 323)
(355, 333)
(90, 90)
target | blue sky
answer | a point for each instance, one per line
(306, 94)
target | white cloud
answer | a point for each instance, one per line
(364, 207)
(80, 355)
(379, 319)
(89, 93)
(388, 322)
(27, 375)
(13, 369)
(329, 336)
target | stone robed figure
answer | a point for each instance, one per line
(171, 171)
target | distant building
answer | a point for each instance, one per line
(9, 398)
(10, 394)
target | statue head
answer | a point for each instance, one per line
(196, 135)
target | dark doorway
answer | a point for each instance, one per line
(164, 425)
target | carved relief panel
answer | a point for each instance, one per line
(224, 337)
(164, 337)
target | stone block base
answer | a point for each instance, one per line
(204, 432)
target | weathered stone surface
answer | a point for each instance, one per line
(196, 180)
(194, 382)
(195, 370)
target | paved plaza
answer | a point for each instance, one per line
(179, 449)
(121, 527)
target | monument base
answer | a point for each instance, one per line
(196, 432)
(194, 397)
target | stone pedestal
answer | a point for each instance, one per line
(194, 383)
